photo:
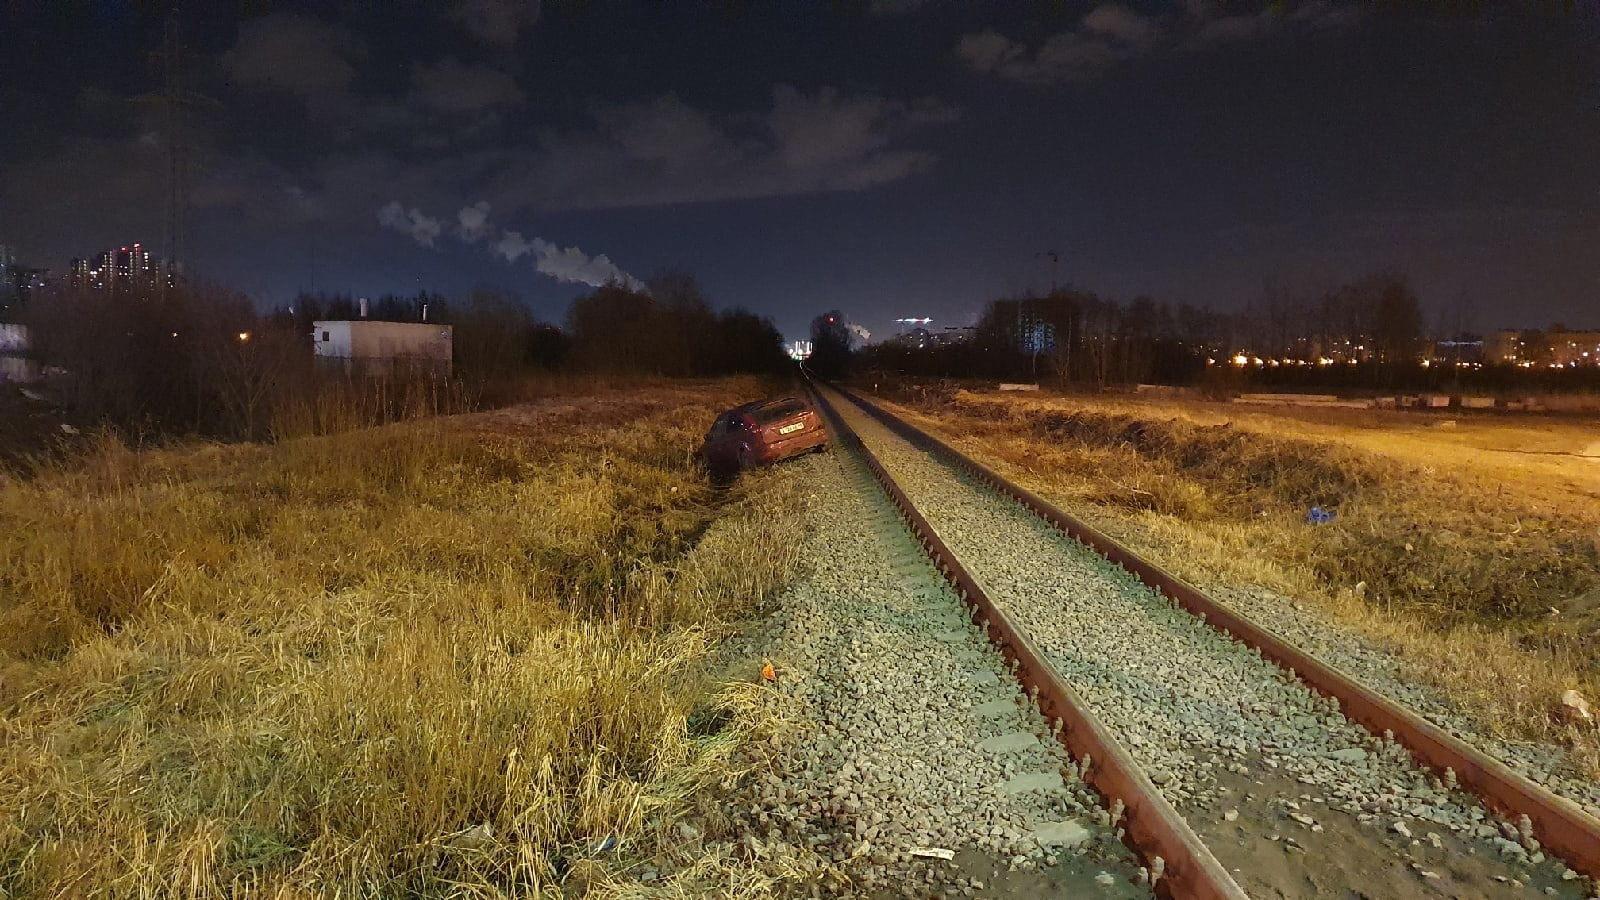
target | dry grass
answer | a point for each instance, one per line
(442, 657)
(1486, 592)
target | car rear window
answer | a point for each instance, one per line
(782, 409)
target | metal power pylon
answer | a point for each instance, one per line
(1055, 260)
(174, 99)
(177, 206)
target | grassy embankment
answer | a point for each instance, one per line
(445, 656)
(1483, 574)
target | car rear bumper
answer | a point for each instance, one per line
(800, 443)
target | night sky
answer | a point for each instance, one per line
(888, 158)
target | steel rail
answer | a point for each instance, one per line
(1152, 827)
(1558, 823)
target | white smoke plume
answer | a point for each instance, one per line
(570, 264)
(566, 264)
(511, 245)
(473, 222)
(424, 229)
(574, 266)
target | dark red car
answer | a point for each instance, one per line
(763, 432)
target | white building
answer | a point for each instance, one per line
(15, 365)
(13, 338)
(369, 347)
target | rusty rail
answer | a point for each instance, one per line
(1152, 827)
(1559, 824)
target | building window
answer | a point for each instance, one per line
(324, 337)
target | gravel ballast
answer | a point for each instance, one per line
(914, 735)
(1218, 729)
(1378, 664)
(1380, 670)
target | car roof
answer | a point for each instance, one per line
(770, 401)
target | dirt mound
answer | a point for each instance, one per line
(30, 428)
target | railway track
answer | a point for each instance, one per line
(920, 739)
(1235, 766)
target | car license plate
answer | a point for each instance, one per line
(791, 429)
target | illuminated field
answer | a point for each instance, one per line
(443, 657)
(1553, 460)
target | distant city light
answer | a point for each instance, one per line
(243, 336)
(914, 321)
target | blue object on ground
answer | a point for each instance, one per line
(1320, 516)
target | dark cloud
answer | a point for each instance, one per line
(830, 130)
(79, 180)
(1120, 23)
(115, 187)
(895, 7)
(1107, 34)
(1213, 29)
(455, 87)
(497, 22)
(1068, 56)
(988, 50)
(1383, 230)
(299, 54)
(1112, 33)
(665, 151)
(1227, 29)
